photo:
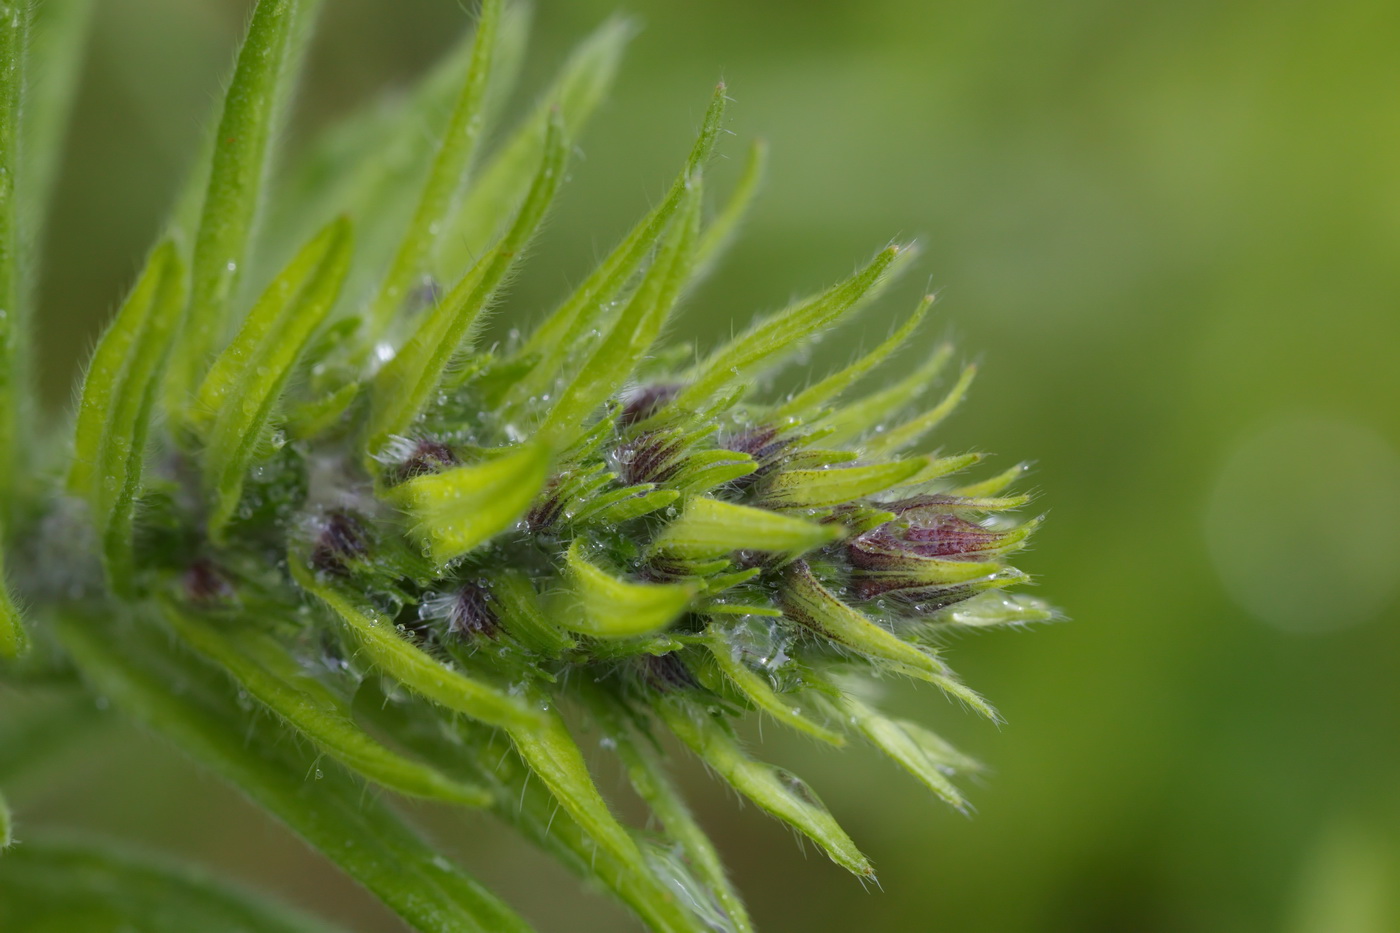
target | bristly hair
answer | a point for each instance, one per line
(378, 553)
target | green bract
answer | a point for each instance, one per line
(309, 524)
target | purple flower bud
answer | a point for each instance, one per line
(931, 556)
(650, 457)
(470, 613)
(342, 539)
(646, 401)
(427, 456)
(665, 673)
(205, 583)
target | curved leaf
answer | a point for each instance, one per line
(813, 397)
(758, 691)
(912, 431)
(14, 322)
(603, 606)
(117, 402)
(195, 706)
(579, 88)
(634, 330)
(649, 779)
(456, 146)
(236, 402)
(416, 670)
(709, 528)
(262, 667)
(242, 147)
(560, 334)
(521, 801)
(405, 384)
(458, 509)
(774, 790)
(781, 334)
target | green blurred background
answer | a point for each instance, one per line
(1169, 230)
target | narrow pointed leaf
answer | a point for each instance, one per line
(522, 615)
(560, 334)
(262, 668)
(136, 331)
(708, 469)
(756, 688)
(634, 330)
(420, 672)
(372, 164)
(456, 147)
(996, 609)
(83, 886)
(781, 334)
(319, 416)
(245, 383)
(914, 571)
(709, 528)
(14, 320)
(458, 509)
(581, 85)
(522, 801)
(939, 467)
(195, 707)
(993, 485)
(628, 504)
(599, 604)
(649, 779)
(242, 147)
(811, 399)
(777, 792)
(806, 601)
(801, 489)
(913, 430)
(403, 387)
(903, 744)
(556, 760)
(871, 412)
(117, 401)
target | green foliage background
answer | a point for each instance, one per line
(1162, 226)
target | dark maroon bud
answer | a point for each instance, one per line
(205, 583)
(662, 569)
(428, 456)
(665, 672)
(342, 539)
(471, 614)
(915, 558)
(764, 444)
(755, 441)
(927, 598)
(951, 537)
(646, 401)
(547, 508)
(650, 457)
